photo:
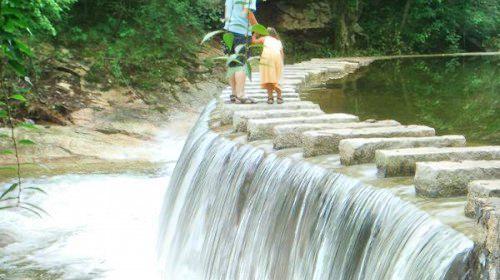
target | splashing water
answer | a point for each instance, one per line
(233, 212)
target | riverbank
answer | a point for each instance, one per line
(115, 133)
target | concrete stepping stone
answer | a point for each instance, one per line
(450, 178)
(228, 110)
(362, 150)
(285, 82)
(479, 194)
(401, 162)
(264, 95)
(264, 99)
(290, 135)
(323, 142)
(258, 86)
(260, 90)
(264, 128)
(240, 118)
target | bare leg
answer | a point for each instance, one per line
(270, 98)
(240, 79)
(232, 83)
(278, 93)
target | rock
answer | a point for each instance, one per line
(324, 142)
(290, 135)
(312, 16)
(362, 150)
(227, 110)
(478, 196)
(401, 162)
(490, 221)
(264, 129)
(450, 178)
(241, 118)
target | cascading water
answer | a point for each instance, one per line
(233, 212)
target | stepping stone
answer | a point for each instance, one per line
(290, 135)
(450, 178)
(241, 118)
(323, 142)
(362, 150)
(264, 95)
(401, 162)
(264, 129)
(228, 110)
(479, 194)
(259, 90)
(264, 99)
(259, 87)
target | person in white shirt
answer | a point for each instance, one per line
(239, 17)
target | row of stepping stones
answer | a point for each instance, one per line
(441, 165)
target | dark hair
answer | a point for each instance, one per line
(273, 33)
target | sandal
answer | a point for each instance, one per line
(232, 98)
(270, 100)
(280, 100)
(244, 100)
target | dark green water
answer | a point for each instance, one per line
(457, 95)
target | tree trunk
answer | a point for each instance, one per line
(346, 18)
(342, 36)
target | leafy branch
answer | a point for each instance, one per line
(17, 20)
(228, 40)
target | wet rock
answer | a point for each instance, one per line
(449, 178)
(241, 118)
(479, 195)
(228, 110)
(362, 150)
(264, 129)
(401, 162)
(290, 136)
(323, 142)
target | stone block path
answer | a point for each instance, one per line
(442, 165)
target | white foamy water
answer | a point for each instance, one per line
(100, 227)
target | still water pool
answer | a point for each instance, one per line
(457, 95)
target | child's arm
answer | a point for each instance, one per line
(257, 41)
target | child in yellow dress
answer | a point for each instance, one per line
(271, 64)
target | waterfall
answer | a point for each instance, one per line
(233, 212)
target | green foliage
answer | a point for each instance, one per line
(142, 44)
(429, 26)
(19, 19)
(409, 26)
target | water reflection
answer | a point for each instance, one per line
(458, 95)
